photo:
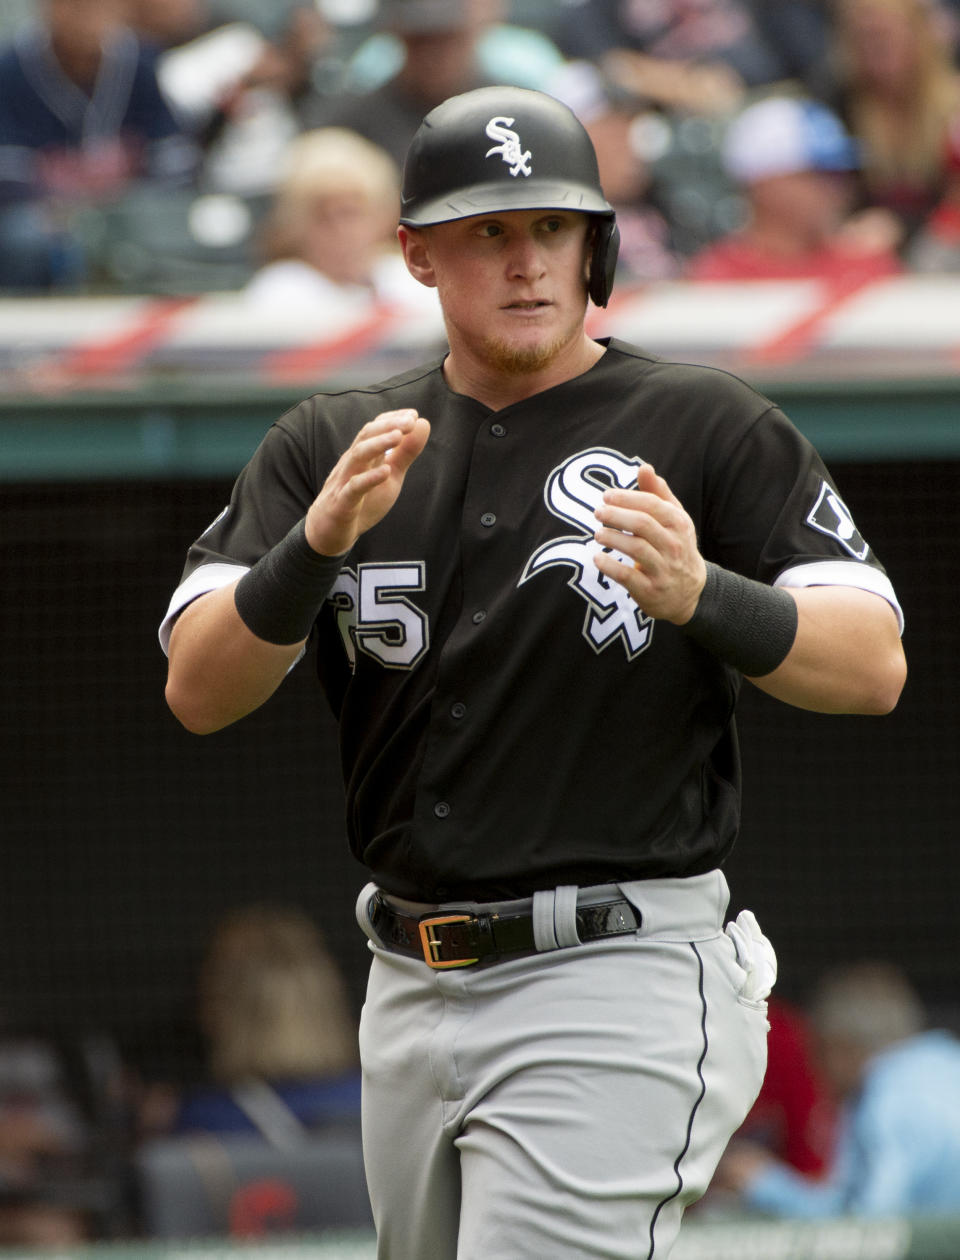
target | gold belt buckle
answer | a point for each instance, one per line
(432, 945)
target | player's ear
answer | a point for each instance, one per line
(416, 254)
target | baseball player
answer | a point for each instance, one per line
(538, 570)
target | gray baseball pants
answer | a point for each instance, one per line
(562, 1106)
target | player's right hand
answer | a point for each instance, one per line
(366, 481)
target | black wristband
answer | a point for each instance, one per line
(748, 624)
(280, 597)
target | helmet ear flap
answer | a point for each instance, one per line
(603, 260)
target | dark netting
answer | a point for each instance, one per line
(848, 847)
(126, 838)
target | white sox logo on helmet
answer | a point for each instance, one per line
(572, 492)
(509, 147)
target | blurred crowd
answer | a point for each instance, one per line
(252, 1126)
(206, 1130)
(257, 145)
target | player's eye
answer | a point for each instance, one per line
(554, 224)
(489, 229)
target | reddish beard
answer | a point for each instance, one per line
(514, 360)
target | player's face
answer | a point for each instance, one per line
(512, 284)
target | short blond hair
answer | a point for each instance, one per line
(272, 1000)
(330, 159)
(321, 163)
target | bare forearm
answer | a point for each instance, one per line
(219, 671)
(847, 656)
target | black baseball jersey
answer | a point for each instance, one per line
(510, 719)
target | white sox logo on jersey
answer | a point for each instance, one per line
(831, 516)
(509, 148)
(572, 492)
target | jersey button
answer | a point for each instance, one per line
(442, 809)
(498, 430)
(458, 710)
(488, 519)
(479, 616)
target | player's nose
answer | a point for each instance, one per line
(525, 258)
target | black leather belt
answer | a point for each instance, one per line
(463, 939)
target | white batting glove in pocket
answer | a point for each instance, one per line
(755, 955)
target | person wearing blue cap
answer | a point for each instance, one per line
(794, 163)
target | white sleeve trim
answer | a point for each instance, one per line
(209, 577)
(843, 573)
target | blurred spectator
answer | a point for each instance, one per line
(167, 23)
(63, 1134)
(443, 47)
(615, 124)
(949, 18)
(935, 247)
(898, 1147)
(329, 237)
(794, 1115)
(795, 164)
(282, 1045)
(81, 118)
(242, 83)
(897, 88)
(13, 15)
(693, 55)
(799, 31)
(42, 1136)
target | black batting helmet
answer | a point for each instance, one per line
(508, 148)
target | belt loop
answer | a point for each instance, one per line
(364, 920)
(544, 935)
(565, 915)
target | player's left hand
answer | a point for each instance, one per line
(650, 526)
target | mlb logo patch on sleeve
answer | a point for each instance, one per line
(830, 515)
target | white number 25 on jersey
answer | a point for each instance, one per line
(375, 616)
